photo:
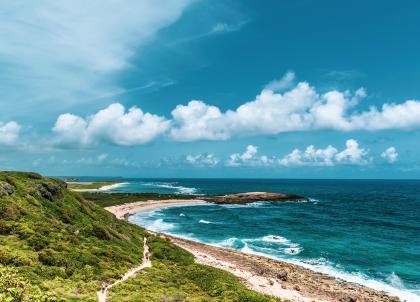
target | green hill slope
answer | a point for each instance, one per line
(56, 246)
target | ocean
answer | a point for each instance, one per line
(363, 231)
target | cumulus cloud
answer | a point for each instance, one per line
(112, 124)
(70, 50)
(202, 160)
(300, 108)
(390, 155)
(248, 158)
(330, 156)
(193, 122)
(311, 156)
(9, 133)
(274, 111)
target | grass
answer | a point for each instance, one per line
(91, 186)
(56, 246)
(112, 199)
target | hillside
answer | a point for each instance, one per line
(56, 246)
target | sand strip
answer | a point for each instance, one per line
(121, 211)
(103, 188)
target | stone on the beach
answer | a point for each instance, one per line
(347, 298)
(282, 276)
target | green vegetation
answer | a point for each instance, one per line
(175, 277)
(55, 241)
(112, 199)
(90, 186)
(57, 246)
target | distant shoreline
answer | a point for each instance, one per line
(102, 187)
(273, 277)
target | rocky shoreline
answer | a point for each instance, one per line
(249, 197)
(281, 279)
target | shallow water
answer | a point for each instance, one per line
(365, 231)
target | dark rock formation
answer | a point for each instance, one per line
(50, 191)
(244, 198)
(6, 188)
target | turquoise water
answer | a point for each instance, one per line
(365, 231)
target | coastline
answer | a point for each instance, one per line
(103, 188)
(274, 277)
(127, 209)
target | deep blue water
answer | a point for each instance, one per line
(366, 231)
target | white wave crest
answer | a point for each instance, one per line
(204, 221)
(275, 238)
(395, 288)
(293, 250)
(166, 185)
(160, 226)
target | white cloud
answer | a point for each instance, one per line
(390, 155)
(202, 160)
(330, 156)
(284, 83)
(248, 158)
(300, 108)
(111, 124)
(311, 156)
(9, 133)
(353, 154)
(68, 51)
(197, 121)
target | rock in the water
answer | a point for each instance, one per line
(244, 198)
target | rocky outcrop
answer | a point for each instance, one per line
(50, 191)
(6, 188)
(244, 198)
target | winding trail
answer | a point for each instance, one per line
(102, 293)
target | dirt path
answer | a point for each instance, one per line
(102, 293)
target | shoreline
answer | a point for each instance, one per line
(103, 188)
(260, 273)
(127, 209)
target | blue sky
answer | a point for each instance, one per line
(196, 88)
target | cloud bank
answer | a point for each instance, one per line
(352, 155)
(299, 108)
(330, 156)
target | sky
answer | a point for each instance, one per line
(200, 88)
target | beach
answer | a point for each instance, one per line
(274, 277)
(102, 188)
(121, 211)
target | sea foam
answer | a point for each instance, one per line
(166, 185)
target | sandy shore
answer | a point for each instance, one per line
(121, 211)
(103, 188)
(265, 275)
